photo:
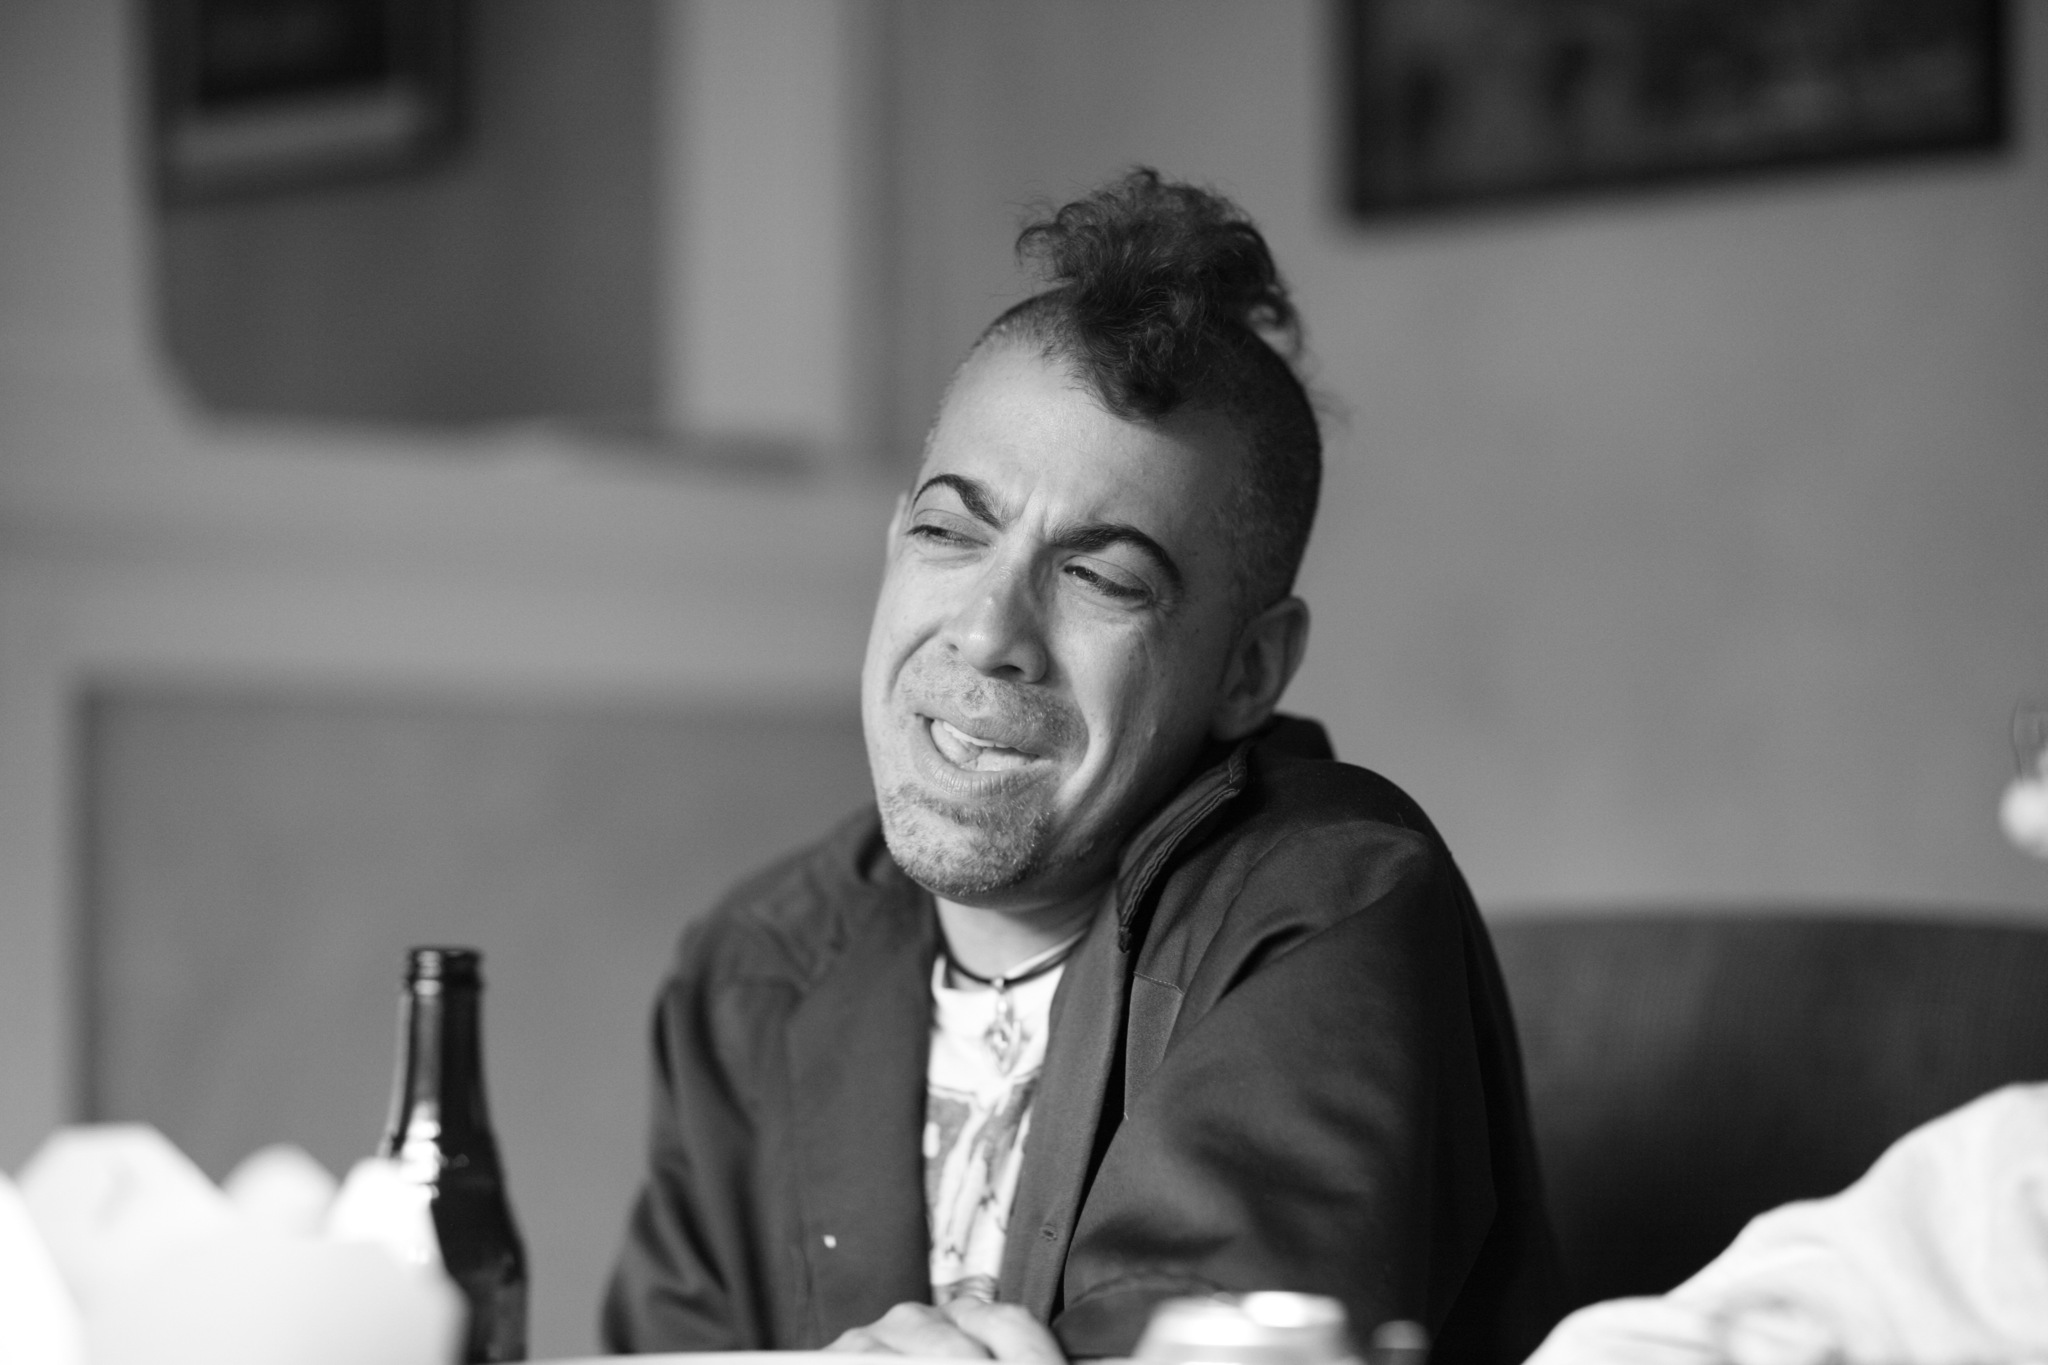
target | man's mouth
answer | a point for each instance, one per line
(972, 752)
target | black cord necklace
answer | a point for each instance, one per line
(1003, 981)
(1007, 1036)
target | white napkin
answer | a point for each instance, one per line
(1937, 1256)
(281, 1187)
(264, 1298)
(381, 1205)
(164, 1268)
(112, 1197)
(39, 1322)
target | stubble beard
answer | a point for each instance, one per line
(963, 850)
(1003, 845)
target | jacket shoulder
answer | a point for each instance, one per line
(1306, 844)
(782, 921)
(1310, 789)
(1322, 813)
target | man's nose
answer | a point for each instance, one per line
(1000, 629)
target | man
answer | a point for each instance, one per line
(1124, 990)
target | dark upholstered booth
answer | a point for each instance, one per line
(1688, 1070)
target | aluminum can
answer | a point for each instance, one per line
(1265, 1328)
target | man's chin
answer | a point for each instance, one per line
(961, 853)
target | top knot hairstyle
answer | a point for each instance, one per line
(1163, 297)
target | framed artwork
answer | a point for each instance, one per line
(1460, 101)
(253, 95)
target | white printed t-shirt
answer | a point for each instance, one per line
(987, 1052)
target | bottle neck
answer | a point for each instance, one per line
(437, 1095)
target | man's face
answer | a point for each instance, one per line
(1052, 635)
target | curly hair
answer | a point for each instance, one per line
(1164, 296)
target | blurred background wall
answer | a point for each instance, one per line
(1677, 546)
(516, 279)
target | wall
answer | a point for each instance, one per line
(1683, 545)
(533, 614)
(517, 278)
(774, 199)
(147, 543)
(659, 211)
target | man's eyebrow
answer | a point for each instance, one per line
(972, 492)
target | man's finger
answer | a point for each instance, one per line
(911, 1329)
(1008, 1331)
(918, 1329)
(856, 1341)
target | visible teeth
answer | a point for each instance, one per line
(966, 751)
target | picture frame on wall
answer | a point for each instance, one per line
(253, 96)
(1458, 102)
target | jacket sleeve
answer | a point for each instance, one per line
(1318, 1120)
(687, 1278)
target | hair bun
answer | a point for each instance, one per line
(1154, 276)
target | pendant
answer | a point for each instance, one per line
(1006, 1034)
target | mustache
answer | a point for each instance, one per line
(1011, 714)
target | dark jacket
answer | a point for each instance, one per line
(1286, 1061)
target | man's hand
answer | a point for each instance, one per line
(966, 1327)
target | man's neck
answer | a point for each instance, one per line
(991, 942)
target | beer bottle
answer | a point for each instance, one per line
(440, 1134)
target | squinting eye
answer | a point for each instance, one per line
(1107, 586)
(932, 533)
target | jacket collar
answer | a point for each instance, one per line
(856, 1041)
(1088, 1018)
(1213, 787)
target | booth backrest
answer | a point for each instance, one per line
(1688, 1070)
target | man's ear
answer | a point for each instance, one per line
(1268, 651)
